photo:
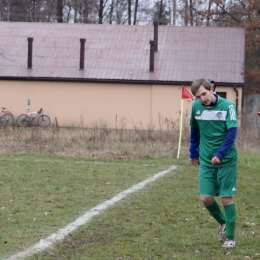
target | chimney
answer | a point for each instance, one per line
(82, 53)
(151, 56)
(30, 45)
(155, 37)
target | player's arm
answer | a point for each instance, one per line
(194, 144)
(226, 144)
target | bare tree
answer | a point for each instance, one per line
(100, 11)
(111, 12)
(121, 13)
(75, 8)
(243, 13)
(4, 10)
(191, 12)
(208, 12)
(18, 11)
(161, 13)
(59, 11)
(129, 11)
(34, 10)
(135, 12)
(174, 14)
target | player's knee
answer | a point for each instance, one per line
(227, 201)
(207, 200)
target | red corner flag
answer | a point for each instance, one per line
(186, 94)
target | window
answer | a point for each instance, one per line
(222, 94)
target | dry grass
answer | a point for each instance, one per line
(103, 142)
(248, 140)
(99, 141)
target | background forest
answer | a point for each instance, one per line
(223, 13)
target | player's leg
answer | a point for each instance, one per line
(227, 180)
(208, 188)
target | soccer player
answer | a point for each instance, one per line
(213, 85)
(213, 88)
(213, 124)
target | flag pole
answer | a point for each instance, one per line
(179, 146)
(185, 95)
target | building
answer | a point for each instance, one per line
(117, 75)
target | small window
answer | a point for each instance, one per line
(222, 94)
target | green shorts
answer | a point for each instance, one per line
(217, 181)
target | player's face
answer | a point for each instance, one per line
(212, 86)
(205, 96)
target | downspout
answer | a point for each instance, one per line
(235, 89)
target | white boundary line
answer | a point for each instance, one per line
(62, 233)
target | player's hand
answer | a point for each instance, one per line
(258, 113)
(215, 160)
(193, 162)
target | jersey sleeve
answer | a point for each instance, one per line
(194, 142)
(193, 122)
(227, 143)
(194, 135)
(231, 120)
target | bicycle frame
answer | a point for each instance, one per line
(31, 114)
(26, 119)
(1, 116)
(6, 117)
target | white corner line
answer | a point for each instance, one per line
(62, 233)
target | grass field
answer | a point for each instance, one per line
(42, 192)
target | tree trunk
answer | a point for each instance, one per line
(8, 10)
(208, 12)
(76, 11)
(100, 12)
(59, 11)
(160, 12)
(135, 12)
(117, 12)
(174, 9)
(186, 13)
(191, 13)
(111, 12)
(129, 12)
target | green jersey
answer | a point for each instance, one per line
(213, 123)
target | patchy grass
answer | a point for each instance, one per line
(165, 220)
(50, 177)
(42, 193)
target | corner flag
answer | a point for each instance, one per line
(185, 95)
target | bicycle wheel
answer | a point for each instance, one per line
(7, 112)
(7, 119)
(43, 121)
(23, 120)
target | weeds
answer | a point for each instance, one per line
(101, 141)
(97, 141)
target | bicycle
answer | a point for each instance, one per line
(6, 117)
(26, 119)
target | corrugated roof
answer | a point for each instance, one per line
(122, 52)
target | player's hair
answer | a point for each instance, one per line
(196, 84)
(211, 81)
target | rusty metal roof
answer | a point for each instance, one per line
(122, 52)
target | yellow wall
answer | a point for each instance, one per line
(91, 104)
